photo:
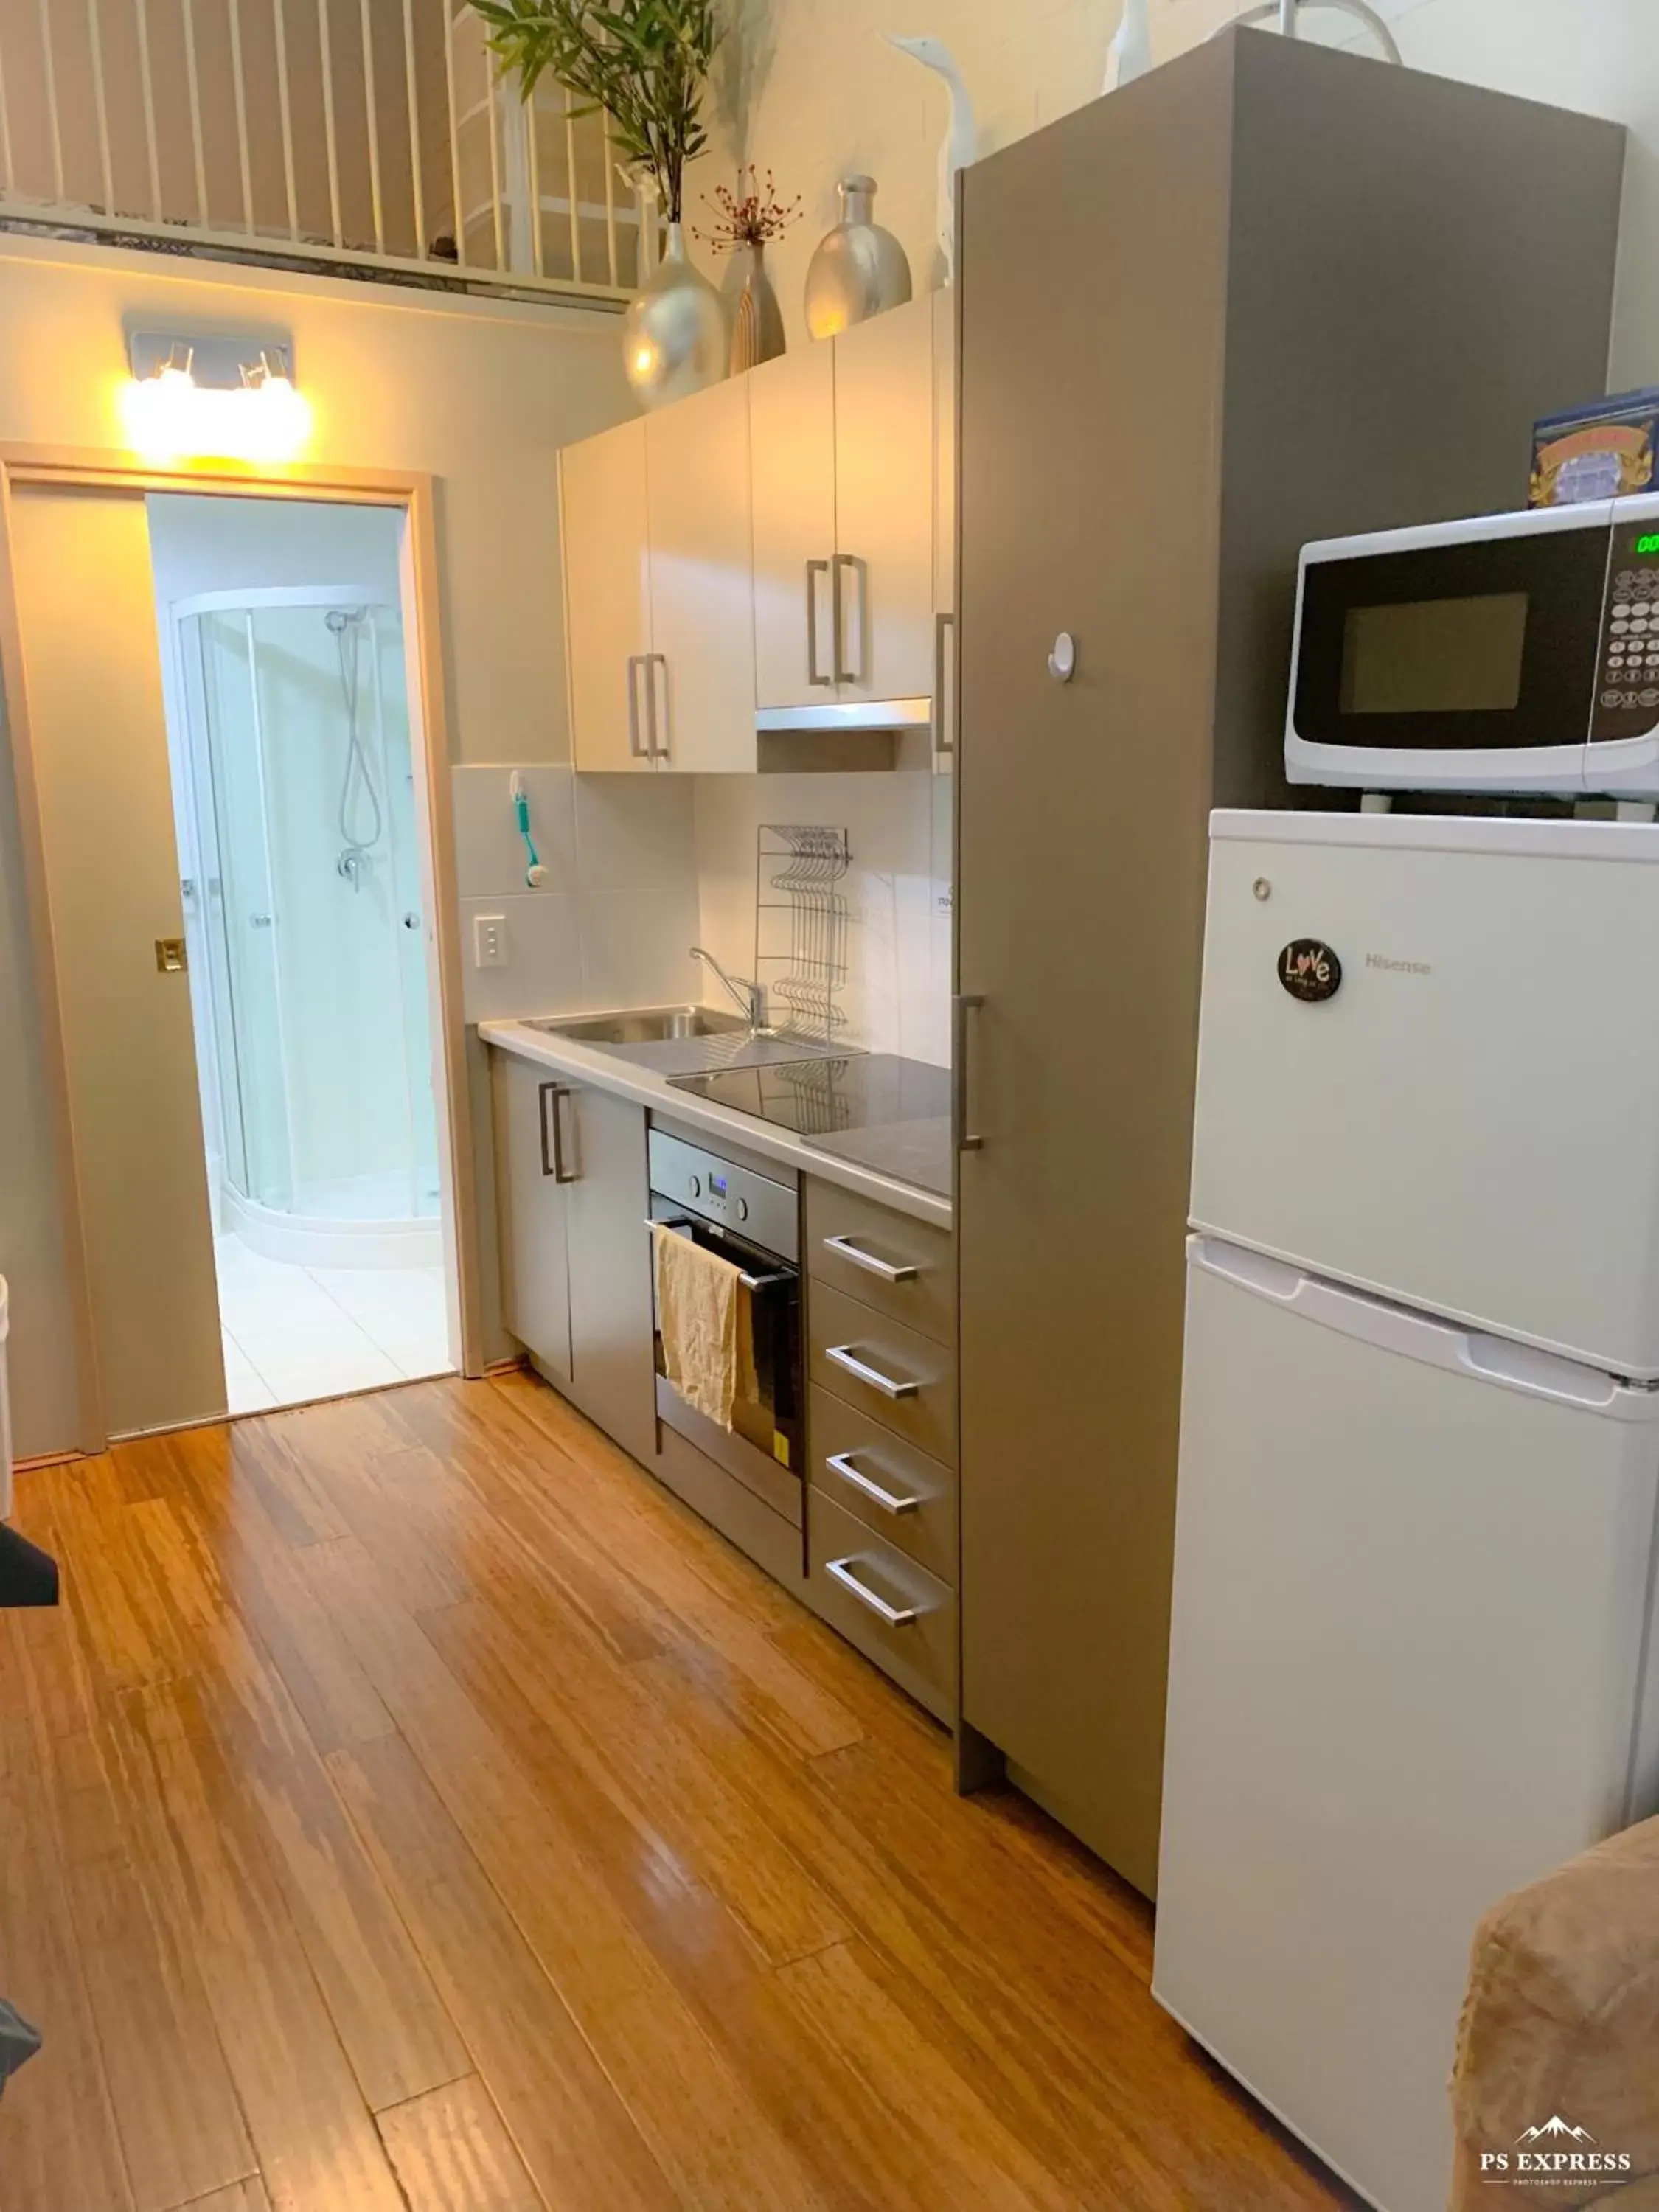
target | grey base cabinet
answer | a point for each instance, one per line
(534, 1210)
(575, 1256)
(612, 1369)
(881, 1495)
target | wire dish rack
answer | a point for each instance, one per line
(801, 917)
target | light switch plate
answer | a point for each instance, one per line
(489, 940)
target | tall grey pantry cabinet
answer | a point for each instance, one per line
(1268, 293)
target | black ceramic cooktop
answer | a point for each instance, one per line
(814, 1097)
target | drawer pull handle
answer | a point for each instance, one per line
(846, 1358)
(872, 1266)
(840, 1463)
(896, 1616)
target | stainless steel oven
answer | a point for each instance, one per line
(755, 1222)
(1514, 652)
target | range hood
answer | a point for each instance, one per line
(849, 715)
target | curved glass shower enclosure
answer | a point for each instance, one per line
(309, 906)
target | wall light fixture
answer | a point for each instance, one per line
(219, 398)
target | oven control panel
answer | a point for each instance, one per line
(699, 1181)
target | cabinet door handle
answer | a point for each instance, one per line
(944, 741)
(843, 674)
(814, 570)
(962, 1005)
(870, 1265)
(840, 1463)
(847, 1360)
(652, 662)
(637, 749)
(896, 1616)
(551, 1097)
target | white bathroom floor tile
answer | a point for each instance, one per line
(287, 1343)
(293, 1333)
(325, 1375)
(237, 1365)
(416, 1351)
(249, 1394)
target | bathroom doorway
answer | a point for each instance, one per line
(294, 774)
(155, 1033)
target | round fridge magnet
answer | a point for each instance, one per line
(1308, 969)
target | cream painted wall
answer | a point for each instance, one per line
(480, 394)
(812, 91)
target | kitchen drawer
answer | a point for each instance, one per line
(902, 1268)
(908, 1381)
(923, 1520)
(872, 1580)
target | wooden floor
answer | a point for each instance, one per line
(412, 1806)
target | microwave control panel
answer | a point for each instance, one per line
(1627, 679)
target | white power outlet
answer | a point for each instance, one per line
(489, 940)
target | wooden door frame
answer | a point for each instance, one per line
(71, 468)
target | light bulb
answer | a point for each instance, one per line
(169, 417)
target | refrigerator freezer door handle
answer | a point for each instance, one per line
(1543, 1374)
(1444, 1344)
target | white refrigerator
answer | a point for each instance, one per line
(1411, 1663)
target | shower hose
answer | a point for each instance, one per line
(354, 851)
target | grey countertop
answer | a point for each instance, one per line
(916, 1152)
(905, 1165)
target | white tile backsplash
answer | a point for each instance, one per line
(642, 868)
(490, 853)
(633, 833)
(636, 946)
(612, 926)
(896, 996)
(543, 973)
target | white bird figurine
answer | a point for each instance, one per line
(1130, 54)
(960, 148)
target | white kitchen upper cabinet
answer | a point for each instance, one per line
(607, 597)
(885, 523)
(700, 711)
(792, 419)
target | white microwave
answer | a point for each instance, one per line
(1516, 653)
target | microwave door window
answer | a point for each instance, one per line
(1460, 656)
(1478, 645)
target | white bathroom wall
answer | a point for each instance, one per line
(898, 994)
(326, 1085)
(612, 925)
(215, 544)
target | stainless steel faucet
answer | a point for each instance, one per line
(748, 997)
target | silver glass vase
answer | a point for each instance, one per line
(674, 337)
(757, 319)
(859, 268)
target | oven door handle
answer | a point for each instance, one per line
(750, 1282)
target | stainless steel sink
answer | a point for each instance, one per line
(645, 1025)
(677, 1040)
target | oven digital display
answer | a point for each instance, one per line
(1441, 656)
(717, 1185)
